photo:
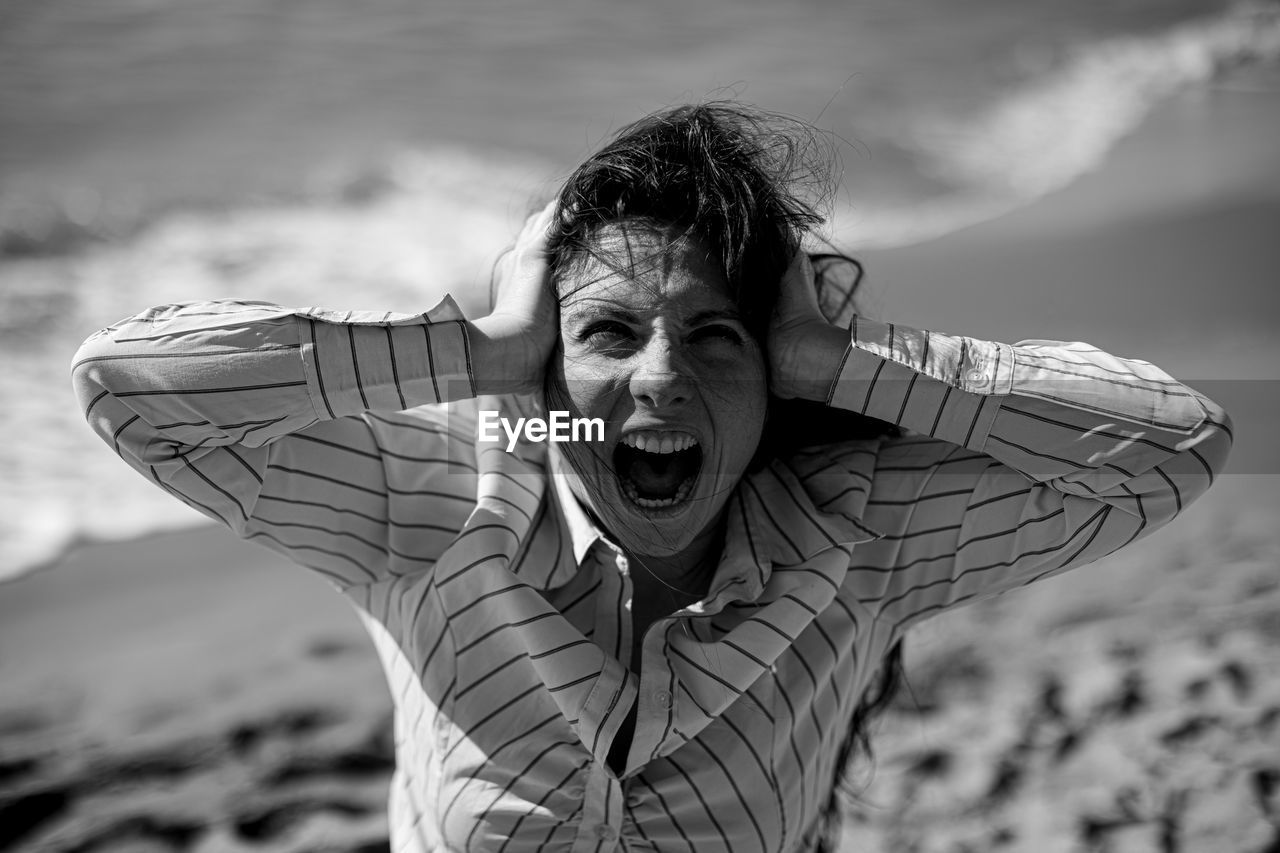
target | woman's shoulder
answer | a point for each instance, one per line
(837, 475)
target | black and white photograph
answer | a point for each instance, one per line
(466, 425)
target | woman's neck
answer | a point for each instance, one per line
(688, 572)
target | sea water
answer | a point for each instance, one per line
(379, 154)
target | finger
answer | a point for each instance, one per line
(803, 269)
(797, 283)
(521, 273)
(810, 280)
(547, 212)
(528, 247)
(538, 225)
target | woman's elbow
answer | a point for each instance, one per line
(1210, 446)
(1200, 459)
(87, 371)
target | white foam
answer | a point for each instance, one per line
(1047, 133)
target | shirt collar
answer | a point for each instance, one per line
(583, 532)
(785, 514)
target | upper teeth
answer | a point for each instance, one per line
(652, 441)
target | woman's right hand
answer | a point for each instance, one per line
(511, 346)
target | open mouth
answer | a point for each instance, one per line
(657, 468)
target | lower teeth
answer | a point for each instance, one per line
(682, 492)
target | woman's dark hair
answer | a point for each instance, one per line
(879, 695)
(747, 186)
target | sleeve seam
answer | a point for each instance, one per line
(835, 382)
(306, 351)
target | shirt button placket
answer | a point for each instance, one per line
(601, 810)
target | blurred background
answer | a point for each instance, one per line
(1098, 171)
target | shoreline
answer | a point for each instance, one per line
(1199, 170)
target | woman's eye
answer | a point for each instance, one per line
(605, 334)
(717, 333)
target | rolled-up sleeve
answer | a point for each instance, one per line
(1017, 462)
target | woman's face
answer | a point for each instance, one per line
(652, 344)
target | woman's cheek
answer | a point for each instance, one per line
(593, 395)
(738, 384)
(583, 381)
(743, 363)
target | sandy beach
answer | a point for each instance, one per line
(1132, 705)
(190, 692)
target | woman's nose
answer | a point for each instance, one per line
(661, 379)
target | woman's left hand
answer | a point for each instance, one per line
(805, 351)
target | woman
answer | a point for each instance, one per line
(666, 636)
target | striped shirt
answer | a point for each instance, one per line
(348, 441)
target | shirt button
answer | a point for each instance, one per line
(605, 833)
(663, 698)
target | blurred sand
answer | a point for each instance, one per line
(1130, 705)
(190, 692)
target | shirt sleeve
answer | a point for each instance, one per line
(1017, 462)
(246, 411)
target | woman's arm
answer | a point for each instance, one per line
(1021, 460)
(266, 418)
(1026, 460)
(241, 411)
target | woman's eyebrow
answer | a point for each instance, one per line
(714, 314)
(598, 310)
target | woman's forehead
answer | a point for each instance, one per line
(643, 266)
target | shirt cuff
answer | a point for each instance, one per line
(945, 386)
(358, 361)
